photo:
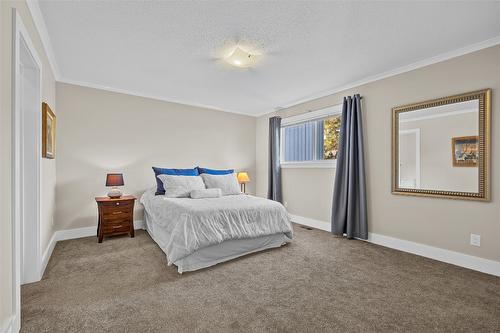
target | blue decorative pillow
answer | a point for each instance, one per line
(173, 172)
(214, 172)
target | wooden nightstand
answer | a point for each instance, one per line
(116, 216)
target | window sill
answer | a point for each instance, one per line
(309, 165)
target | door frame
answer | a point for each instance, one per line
(21, 35)
(415, 131)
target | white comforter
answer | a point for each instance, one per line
(193, 224)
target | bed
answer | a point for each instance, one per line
(198, 233)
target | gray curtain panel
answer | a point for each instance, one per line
(274, 185)
(349, 193)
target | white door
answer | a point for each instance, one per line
(26, 160)
(409, 158)
(30, 110)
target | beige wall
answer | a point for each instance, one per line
(311, 181)
(437, 222)
(101, 131)
(48, 166)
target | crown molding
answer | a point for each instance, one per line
(399, 70)
(37, 16)
(149, 96)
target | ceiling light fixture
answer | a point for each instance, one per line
(241, 58)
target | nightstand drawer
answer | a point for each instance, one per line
(116, 220)
(116, 228)
(114, 212)
(127, 220)
(117, 204)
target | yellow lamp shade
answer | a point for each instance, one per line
(243, 177)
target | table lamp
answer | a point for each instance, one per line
(114, 180)
(243, 179)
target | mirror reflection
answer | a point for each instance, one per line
(439, 148)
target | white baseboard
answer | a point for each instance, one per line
(316, 224)
(451, 257)
(48, 253)
(7, 325)
(61, 235)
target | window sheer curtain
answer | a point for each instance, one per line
(349, 214)
(274, 177)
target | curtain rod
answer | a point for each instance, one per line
(312, 110)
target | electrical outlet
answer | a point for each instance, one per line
(475, 240)
(285, 204)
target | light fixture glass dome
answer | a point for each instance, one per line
(241, 58)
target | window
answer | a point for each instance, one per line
(311, 139)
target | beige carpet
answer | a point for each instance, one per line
(317, 283)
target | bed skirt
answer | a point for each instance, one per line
(214, 254)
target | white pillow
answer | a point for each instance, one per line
(180, 186)
(206, 193)
(227, 183)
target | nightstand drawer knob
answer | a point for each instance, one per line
(117, 226)
(118, 204)
(114, 213)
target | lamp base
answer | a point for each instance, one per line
(114, 193)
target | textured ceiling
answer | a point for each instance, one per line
(172, 50)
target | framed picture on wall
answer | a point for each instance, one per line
(465, 151)
(48, 132)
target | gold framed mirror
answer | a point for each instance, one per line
(441, 147)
